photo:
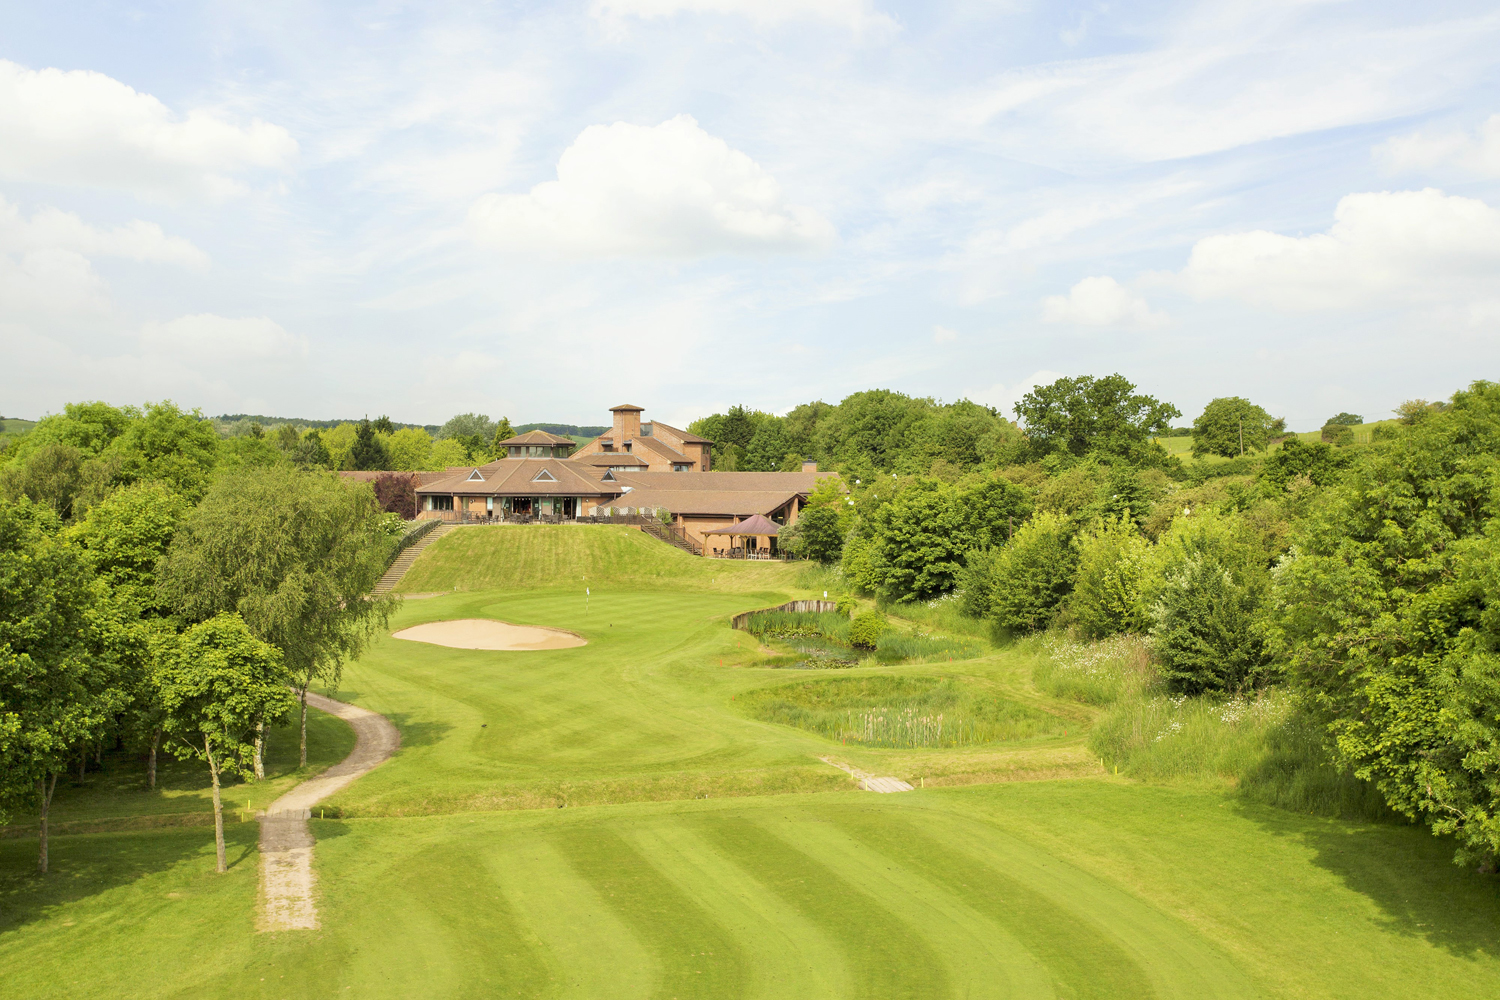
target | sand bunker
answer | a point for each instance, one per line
(484, 633)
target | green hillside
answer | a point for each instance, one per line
(502, 557)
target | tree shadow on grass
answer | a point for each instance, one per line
(418, 734)
(84, 866)
(1405, 871)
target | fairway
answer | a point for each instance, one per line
(633, 818)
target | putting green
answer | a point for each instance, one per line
(678, 868)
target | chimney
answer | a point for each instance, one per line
(809, 465)
(627, 424)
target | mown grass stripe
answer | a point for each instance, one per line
(790, 956)
(695, 956)
(890, 958)
(1082, 961)
(590, 950)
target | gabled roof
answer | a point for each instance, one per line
(709, 503)
(537, 438)
(687, 437)
(518, 477)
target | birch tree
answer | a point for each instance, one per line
(295, 554)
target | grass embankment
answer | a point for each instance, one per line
(1098, 887)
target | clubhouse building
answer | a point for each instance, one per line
(634, 469)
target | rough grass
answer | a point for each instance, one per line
(884, 711)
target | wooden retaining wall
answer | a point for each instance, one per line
(738, 621)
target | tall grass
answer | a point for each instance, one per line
(943, 613)
(825, 634)
(1260, 744)
(1095, 673)
(906, 712)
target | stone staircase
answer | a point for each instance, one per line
(405, 559)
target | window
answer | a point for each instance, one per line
(681, 467)
(544, 477)
(609, 476)
(439, 503)
(474, 477)
(645, 430)
(609, 446)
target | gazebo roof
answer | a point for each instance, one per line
(755, 524)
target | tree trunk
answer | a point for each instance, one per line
(46, 791)
(151, 760)
(213, 770)
(83, 760)
(302, 760)
(260, 750)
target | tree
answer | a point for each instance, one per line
(57, 681)
(918, 541)
(1077, 416)
(446, 454)
(1230, 426)
(125, 537)
(992, 509)
(368, 452)
(287, 439)
(219, 684)
(296, 555)
(311, 453)
(51, 474)
(1386, 617)
(1346, 419)
(168, 445)
(1106, 597)
(1031, 577)
(1206, 589)
(411, 449)
(396, 493)
(503, 432)
(383, 426)
(1295, 457)
(767, 448)
(467, 424)
(822, 524)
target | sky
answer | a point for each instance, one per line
(543, 210)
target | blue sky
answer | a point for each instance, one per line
(542, 210)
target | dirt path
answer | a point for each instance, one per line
(286, 841)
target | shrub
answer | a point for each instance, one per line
(1033, 574)
(846, 605)
(866, 628)
(1106, 596)
(1208, 585)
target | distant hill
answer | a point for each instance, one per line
(268, 421)
(567, 430)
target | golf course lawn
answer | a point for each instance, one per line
(613, 820)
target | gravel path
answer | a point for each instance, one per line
(286, 841)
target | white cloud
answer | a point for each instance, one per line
(1384, 247)
(857, 15)
(1004, 397)
(672, 191)
(85, 128)
(1476, 153)
(50, 285)
(52, 229)
(943, 335)
(208, 338)
(1100, 301)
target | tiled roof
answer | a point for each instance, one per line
(724, 503)
(787, 482)
(625, 406)
(517, 477)
(687, 438)
(665, 451)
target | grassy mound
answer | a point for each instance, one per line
(908, 712)
(514, 557)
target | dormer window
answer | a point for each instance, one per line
(474, 477)
(544, 477)
(608, 477)
(609, 446)
(627, 445)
